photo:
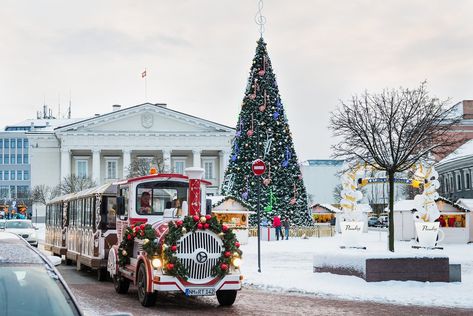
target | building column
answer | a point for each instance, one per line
(126, 161)
(196, 158)
(167, 161)
(65, 163)
(223, 160)
(96, 166)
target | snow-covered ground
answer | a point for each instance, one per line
(287, 266)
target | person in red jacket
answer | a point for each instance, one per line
(277, 225)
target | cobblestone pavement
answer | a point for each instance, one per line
(100, 298)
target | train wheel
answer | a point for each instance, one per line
(146, 299)
(121, 284)
(102, 274)
(226, 297)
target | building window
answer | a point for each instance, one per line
(179, 166)
(209, 169)
(111, 166)
(25, 158)
(12, 159)
(26, 175)
(1, 175)
(6, 159)
(4, 192)
(6, 143)
(467, 180)
(6, 175)
(12, 143)
(22, 191)
(1, 159)
(12, 175)
(459, 182)
(19, 159)
(18, 143)
(82, 167)
(25, 143)
(1, 143)
(12, 192)
(451, 184)
(19, 175)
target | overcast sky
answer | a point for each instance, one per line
(198, 55)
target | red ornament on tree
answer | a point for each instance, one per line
(250, 132)
(224, 228)
(206, 225)
(179, 223)
(128, 237)
(237, 244)
(200, 226)
(293, 201)
(224, 267)
(142, 226)
(174, 248)
(266, 182)
(170, 266)
(227, 254)
(262, 108)
(261, 72)
(208, 217)
(196, 218)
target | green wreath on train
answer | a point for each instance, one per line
(231, 255)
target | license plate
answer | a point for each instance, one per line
(200, 291)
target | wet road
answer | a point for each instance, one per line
(100, 298)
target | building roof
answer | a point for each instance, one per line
(463, 151)
(323, 162)
(160, 106)
(46, 125)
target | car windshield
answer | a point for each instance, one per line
(33, 290)
(2, 224)
(18, 224)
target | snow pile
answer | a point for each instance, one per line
(287, 266)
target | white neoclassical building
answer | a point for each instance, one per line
(103, 146)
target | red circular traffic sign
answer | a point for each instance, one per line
(258, 167)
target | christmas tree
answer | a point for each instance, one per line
(263, 132)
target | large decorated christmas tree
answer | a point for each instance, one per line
(263, 132)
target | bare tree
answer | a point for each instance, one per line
(141, 166)
(73, 183)
(41, 194)
(391, 131)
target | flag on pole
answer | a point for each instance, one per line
(143, 74)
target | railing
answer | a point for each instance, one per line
(308, 231)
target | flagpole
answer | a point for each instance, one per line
(146, 84)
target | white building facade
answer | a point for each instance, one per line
(102, 147)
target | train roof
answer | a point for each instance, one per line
(168, 176)
(107, 188)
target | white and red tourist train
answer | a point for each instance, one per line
(153, 232)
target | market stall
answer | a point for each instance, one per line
(232, 213)
(455, 220)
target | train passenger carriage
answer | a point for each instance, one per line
(89, 226)
(56, 223)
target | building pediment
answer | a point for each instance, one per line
(145, 118)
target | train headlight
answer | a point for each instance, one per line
(156, 262)
(237, 262)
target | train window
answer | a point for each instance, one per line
(154, 197)
(124, 191)
(110, 216)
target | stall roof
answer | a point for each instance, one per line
(328, 207)
(466, 204)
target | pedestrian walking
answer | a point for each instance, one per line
(285, 224)
(277, 226)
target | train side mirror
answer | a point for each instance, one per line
(120, 205)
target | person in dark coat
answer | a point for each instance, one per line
(285, 224)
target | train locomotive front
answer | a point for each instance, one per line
(167, 242)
